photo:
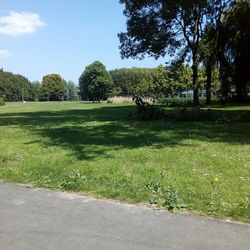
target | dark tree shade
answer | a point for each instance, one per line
(234, 49)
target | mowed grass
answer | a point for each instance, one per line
(96, 149)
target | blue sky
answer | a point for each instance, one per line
(39, 37)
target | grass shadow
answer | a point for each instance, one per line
(91, 133)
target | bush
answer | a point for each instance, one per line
(183, 102)
(176, 102)
(147, 111)
(207, 115)
(2, 103)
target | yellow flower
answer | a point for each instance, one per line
(216, 179)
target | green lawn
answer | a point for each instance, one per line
(96, 149)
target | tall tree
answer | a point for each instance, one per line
(52, 88)
(208, 57)
(95, 83)
(159, 27)
(211, 51)
(234, 51)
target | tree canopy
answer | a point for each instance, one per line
(52, 88)
(233, 49)
(14, 87)
(159, 27)
(95, 83)
(152, 82)
(207, 32)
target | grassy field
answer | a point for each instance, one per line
(202, 167)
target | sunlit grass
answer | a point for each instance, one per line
(96, 149)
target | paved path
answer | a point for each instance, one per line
(42, 219)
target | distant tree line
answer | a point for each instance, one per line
(15, 87)
(96, 83)
(209, 41)
(157, 82)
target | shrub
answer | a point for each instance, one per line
(169, 198)
(176, 102)
(207, 115)
(164, 196)
(183, 102)
(2, 103)
(147, 111)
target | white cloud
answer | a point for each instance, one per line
(4, 53)
(20, 23)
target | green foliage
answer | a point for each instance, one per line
(14, 87)
(35, 90)
(169, 198)
(95, 83)
(157, 28)
(151, 82)
(175, 102)
(234, 52)
(52, 88)
(152, 26)
(162, 83)
(205, 115)
(72, 180)
(72, 92)
(2, 102)
(132, 81)
(163, 196)
(147, 111)
(181, 79)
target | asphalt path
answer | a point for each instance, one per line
(42, 219)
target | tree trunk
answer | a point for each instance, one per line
(224, 74)
(224, 87)
(240, 78)
(209, 83)
(195, 55)
(195, 84)
(239, 92)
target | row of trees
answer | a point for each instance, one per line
(55, 88)
(96, 83)
(212, 36)
(207, 32)
(14, 87)
(158, 82)
(52, 88)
